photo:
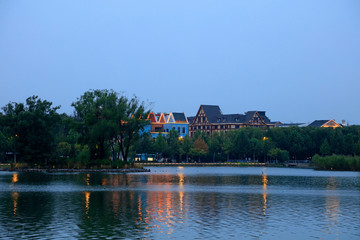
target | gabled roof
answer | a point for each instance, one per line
(162, 118)
(324, 123)
(250, 114)
(212, 112)
(190, 119)
(152, 117)
(179, 117)
(318, 123)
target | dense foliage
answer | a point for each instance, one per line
(108, 129)
(249, 144)
(105, 126)
(337, 162)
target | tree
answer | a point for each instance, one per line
(160, 146)
(106, 120)
(32, 128)
(325, 148)
(173, 143)
(3, 147)
(200, 148)
(186, 145)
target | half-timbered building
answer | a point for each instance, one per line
(210, 119)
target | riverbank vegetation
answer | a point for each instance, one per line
(107, 131)
(337, 162)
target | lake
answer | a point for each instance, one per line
(182, 203)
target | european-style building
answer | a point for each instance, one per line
(163, 123)
(210, 119)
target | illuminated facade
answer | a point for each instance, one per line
(163, 123)
(210, 119)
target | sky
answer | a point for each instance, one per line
(297, 60)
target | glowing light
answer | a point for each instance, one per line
(265, 138)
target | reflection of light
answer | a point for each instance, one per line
(264, 195)
(140, 210)
(88, 179)
(181, 180)
(181, 195)
(15, 197)
(15, 178)
(181, 186)
(264, 181)
(332, 204)
(103, 182)
(87, 202)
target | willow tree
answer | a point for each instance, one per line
(109, 121)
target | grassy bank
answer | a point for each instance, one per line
(337, 162)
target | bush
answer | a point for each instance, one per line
(337, 162)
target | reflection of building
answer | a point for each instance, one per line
(324, 123)
(163, 123)
(210, 119)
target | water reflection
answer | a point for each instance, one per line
(265, 182)
(87, 202)
(15, 197)
(180, 205)
(332, 206)
(15, 178)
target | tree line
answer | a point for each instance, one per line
(104, 124)
(254, 144)
(107, 129)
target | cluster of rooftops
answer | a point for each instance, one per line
(210, 119)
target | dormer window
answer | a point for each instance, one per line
(218, 119)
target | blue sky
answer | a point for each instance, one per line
(298, 60)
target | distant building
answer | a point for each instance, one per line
(210, 119)
(163, 123)
(325, 123)
(178, 122)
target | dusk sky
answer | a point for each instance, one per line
(297, 60)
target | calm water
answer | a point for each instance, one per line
(179, 203)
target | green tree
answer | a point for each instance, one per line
(200, 148)
(32, 129)
(3, 146)
(186, 144)
(161, 146)
(174, 144)
(325, 148)
(106, 120)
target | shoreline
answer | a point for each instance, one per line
(226, 165)
(125, 170)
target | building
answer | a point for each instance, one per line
(178, 122)
(210, 119)
(163, 123)
(325, 123)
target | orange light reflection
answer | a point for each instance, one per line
(15, 178)
(15, 196)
